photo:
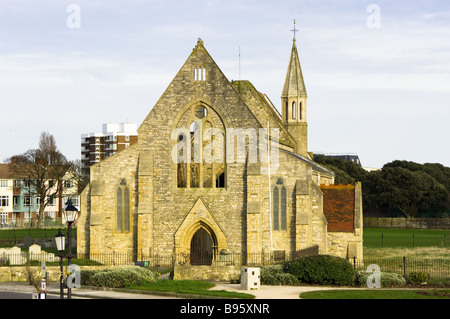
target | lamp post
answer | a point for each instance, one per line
(60, 240)
(70, 213)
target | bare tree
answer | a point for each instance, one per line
(81, 175)
(44, 168)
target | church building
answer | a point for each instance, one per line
(218, 172)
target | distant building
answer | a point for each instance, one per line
(346, 157)
(113, 138)
(19, 203)
(371, 169)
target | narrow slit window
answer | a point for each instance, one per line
(300, 110)
(276, 206)
(287, 111)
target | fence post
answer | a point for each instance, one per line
(404, 267)
(354, 262)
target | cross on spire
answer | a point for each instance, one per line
(294, 30)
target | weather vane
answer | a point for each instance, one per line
(294, 30)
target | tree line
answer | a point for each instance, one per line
(399, 188)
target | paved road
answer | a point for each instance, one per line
(82, 293)
(19, 295)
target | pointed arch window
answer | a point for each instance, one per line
(293, 110)
(123, 207)
(201, 150)
(279, 206)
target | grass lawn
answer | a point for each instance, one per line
(377, 294)
(189, 287)
(41, 233)
(404, 238)
(428, 244)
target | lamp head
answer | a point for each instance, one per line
(70, 212)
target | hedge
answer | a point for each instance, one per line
(274, 275)
(321, 270)
(116, 278)
(387, 279)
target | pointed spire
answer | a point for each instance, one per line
(294, 86)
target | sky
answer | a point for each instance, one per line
(377, 73)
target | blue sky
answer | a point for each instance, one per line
(381, 91)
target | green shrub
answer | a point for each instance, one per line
(321, 270)
(274, 275)
(418, 277)
(116, 278)
(387, 279)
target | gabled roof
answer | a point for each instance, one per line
(315, 166)
(263, 109)
(212, 88)
(294, 84)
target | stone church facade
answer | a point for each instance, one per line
(217, 170)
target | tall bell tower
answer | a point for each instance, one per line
(293, 102)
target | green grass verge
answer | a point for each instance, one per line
(377, 294)
(403, 238)
(189, 287)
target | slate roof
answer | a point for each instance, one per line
(315, 166)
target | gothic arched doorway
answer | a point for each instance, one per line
(202, 248)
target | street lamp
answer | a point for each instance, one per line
(60, 241)
(70, 213)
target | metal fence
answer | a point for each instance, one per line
(185, 259)
(438, 269)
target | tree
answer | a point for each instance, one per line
(406, 186)
(346, 172)
(81, 175)
(406, 190)
(44, 168)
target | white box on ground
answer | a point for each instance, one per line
(250, 278)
